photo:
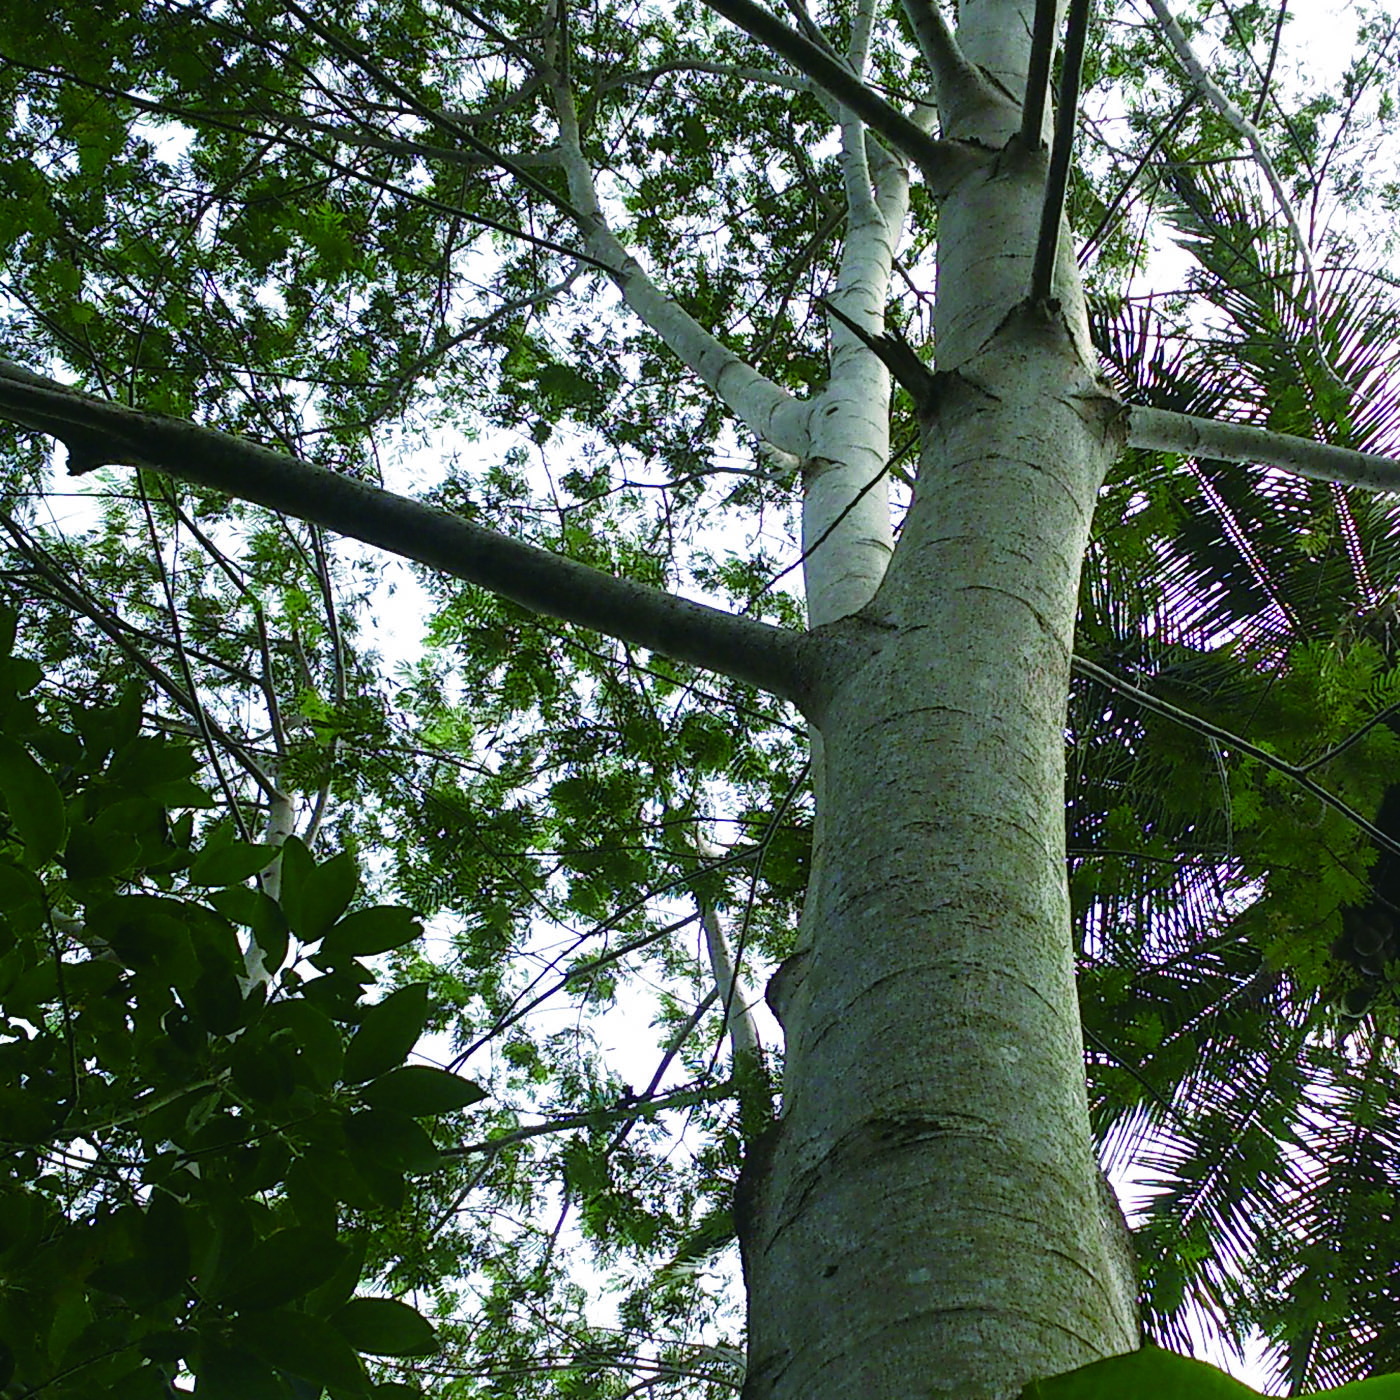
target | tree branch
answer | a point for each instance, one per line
(1216, 96)
(99, 433)
(480, 154)
(1159, 430)
(738, 1016)
(68, 589)
(939, 160)
(347, 49)
(1298, 773)
(775, 415)
(594, 1119)
(956, 81)
(1038, 74)
(1052, 210)
(855, 161)
(767, 76)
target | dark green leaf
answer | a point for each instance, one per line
(386, 1034)
(217, 1000)
(259, 913)
(326, 895)
(146, 931)
(34, 801)
(385, 1327)
(297, 868)
(1163, 1375)
(314, 1039)
(143, 1383)
(305, 1346)
(340, 1287)
(93, 855)
(369, 931)
(228, 1372)
(265, 1072)
(230, 864)
(282, 1267)
(22, 899)
(421, 1090)
(392, 1140)
(315, 896)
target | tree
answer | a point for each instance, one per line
(272, 247)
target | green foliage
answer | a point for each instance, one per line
(278, 226)
(1164, 1376)
(189, 1168)
(1210, 900)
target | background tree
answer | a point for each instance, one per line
(658, 267)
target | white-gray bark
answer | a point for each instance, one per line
(927, 1218)
(1163, 431)
(739, 1023)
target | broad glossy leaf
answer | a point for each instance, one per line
(34, 802)
(369, 931)
(385, 1327)
(148, 932)
(315, 896)
(217, 999)
(326, 895)
(259, 913)
(1151, 1371)
(340, 1287)
(22, 899)
(230, 864)
(90, 854)
(387, 1032)
(316, 1041)
(421, 1090)
(225, 1370)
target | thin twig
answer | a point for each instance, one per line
(1196, 724)
(1196, 70)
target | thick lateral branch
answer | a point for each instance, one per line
(937, 159)
(100, 433)
(1161, 431)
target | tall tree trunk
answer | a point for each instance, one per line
(927, 1217)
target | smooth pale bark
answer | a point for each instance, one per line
(1163, 431)
(846, 535)
(771, 412)
(927, 1217)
